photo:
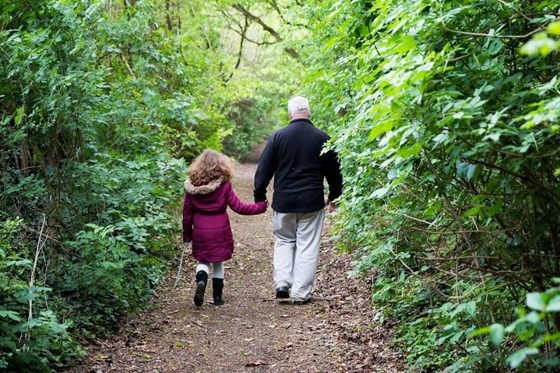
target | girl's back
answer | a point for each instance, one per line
(205, 219)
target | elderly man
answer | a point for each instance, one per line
(294, 156)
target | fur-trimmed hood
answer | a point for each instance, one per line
(202, 189)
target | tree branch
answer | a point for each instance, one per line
(494, 36)
(243, 32)
(265, 27)
(128, 68)
(554, 198)
(251, 40)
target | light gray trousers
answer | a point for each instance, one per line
(296, 250)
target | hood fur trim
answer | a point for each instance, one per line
(202, 189)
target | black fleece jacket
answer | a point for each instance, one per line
(293, 156)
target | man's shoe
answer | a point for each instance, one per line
(299, 301)
(282, 292)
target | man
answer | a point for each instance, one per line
(293, 155)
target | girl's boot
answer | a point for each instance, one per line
(201, 280)
(217, 287)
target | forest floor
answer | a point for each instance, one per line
(253, 332)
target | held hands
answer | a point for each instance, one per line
(265, 202)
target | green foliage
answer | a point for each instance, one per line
(88, 96)
(101, 103)
(30, 334)
(531, 340)
(118, 259)
(448, 139)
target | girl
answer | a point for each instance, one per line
(205, 220)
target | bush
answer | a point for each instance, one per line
(449, 142)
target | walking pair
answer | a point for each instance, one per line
(295, 157)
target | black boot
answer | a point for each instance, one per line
(201, 280)
(217, 287)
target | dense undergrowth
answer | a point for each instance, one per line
(445, 116)
(101, 106)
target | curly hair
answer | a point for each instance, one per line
(209, 166)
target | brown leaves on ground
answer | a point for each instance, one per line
(253, 332)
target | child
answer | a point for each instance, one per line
(205, 220)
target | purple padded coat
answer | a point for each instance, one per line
(206, 222)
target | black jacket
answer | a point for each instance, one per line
(293, 156)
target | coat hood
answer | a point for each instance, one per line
(202, 189)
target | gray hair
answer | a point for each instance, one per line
(298, 105)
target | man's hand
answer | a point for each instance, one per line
(331, 206)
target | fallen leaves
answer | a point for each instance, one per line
(255, 363)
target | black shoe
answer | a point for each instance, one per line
(201, 280)
(282, 292)
(217, 287)
(299, 302)
(218, 301)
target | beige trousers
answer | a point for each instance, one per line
(296, 250)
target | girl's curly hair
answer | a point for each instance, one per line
(209, 166)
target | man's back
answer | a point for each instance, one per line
(293, 156)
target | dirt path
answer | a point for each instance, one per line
(252, 332)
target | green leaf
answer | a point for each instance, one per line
(535, 301)
(409, 151)
(380, 129)
(471, 171)
(471, 308)
(496, 334)
(519, 356)
(480, 331)
(406, 43)
(379, 192)
(456, 336)
(541, 44)
(30, 324)
(554, 28)
(363, 29)
(472, 211)
(19, 115)
(533, 317)
(441, 137)
(10, 314)
(553, 305)
(19, 263)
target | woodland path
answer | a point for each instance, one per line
(253, 332)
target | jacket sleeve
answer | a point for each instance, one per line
(240, 207)
(188, 215)
(265, 171)
(333, 174)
